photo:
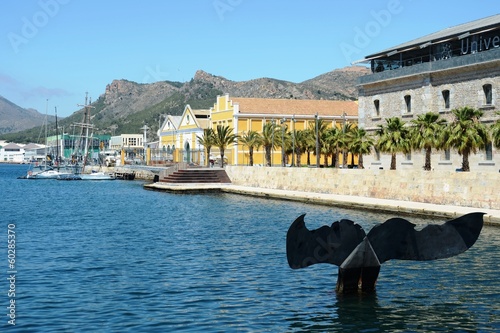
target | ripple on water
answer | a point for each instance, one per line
(111, 257)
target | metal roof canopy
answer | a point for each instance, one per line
(452, 33)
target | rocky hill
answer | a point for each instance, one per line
(14, 118)
(126, 106)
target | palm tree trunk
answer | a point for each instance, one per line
(208, 156)
(465, 160)
(308, 158)
(393, 161)
(250, 152)
(360, 162)
(427, 165)
(268, 155)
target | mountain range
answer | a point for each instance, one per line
(126, 106)
(14, 118)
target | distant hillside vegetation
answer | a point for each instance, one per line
(126, 106)
(14, 118)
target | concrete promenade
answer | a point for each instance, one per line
(491, 217)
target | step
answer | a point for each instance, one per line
(197, 176)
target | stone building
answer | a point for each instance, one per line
(449, 69)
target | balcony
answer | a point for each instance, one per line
(433, 66)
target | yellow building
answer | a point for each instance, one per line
(250, 114)
(178, 136)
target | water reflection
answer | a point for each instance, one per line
(366, 313)
(113, 257)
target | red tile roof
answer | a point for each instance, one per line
(295, 106)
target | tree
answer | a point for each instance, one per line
(360, 143)
(343, 141)
(269, 139)
(332, 137)
(252, 140)
(495, 132)
(309, 143)
(224, 137)
(207, 141)
(393, 138)
(320, 130)
(300, 145)
(427, 134)
(466, 133)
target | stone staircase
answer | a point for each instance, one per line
(199, 175)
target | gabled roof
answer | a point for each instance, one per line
(197, 117)
(473, 27)
(295, 107)
(174, 120)
(32, 146)
(12, 146)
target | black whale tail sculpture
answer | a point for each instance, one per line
(359, 256)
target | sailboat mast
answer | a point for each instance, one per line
(46, 125)
(57, 141)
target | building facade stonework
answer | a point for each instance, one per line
(437, 85)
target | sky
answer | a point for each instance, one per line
(52, 52)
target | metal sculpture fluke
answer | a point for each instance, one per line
(359, 256)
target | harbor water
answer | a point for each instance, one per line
(109, 256)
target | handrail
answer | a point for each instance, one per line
(173, 168)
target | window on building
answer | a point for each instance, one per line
(487, 94)
(408, 103)
(376, 104)
(489, 152)
(447, 155)
(446, 98)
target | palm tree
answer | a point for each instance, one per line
(393, 138)
(252, 140)
(426, 134)
(285, 141)
(332, 137)
(466, 133)
(359, 142)
(343, 142)
(300, 145)
(309, 143)
(495, 132)
(269, 139)
(322, 127)
(207, 141)
(224, 137)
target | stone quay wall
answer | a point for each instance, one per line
(468, 189)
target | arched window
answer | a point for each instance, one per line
(446, 98)
(489, 152)
(488, 95)
(408, 103)
(447, 155)
(376, 104)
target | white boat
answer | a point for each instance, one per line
(88, 176)
(47, 174)
(97, 176)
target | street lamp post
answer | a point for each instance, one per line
(282, 122)
(293, 140)
(145, 128)
(343, 137)
(272, 143)
(316, 117)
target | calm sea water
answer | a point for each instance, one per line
(113, 257)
